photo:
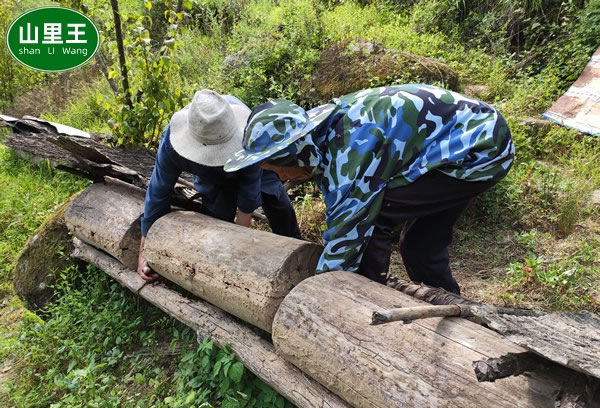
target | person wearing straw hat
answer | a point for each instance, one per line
(411, 155)
(199, 139)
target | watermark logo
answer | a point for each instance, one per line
(53, 39)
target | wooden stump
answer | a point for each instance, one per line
(323, 327)
(107, 217)
(243, 271)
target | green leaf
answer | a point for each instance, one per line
(190, 398)
(112, 74)
(148, 5)
(236, 371)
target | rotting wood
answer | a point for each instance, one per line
(245, 272)
(91, 159)
(256, 353)
(107, 217)
(492, 369)
(569, 339)
(577, 390)
(323, 328)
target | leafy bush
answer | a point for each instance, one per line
(272, 49)
(14, 77)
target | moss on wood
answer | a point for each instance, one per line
(45, 254)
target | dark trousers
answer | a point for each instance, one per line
(278, 210)
(429, 207)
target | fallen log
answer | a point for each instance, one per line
(256, 353)
(107, 217)
(243, 271)
(323, 328)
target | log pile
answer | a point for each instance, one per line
(322, 323)
(325, 352)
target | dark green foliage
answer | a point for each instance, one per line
(272, 50)
(99, 345)
(534, 31)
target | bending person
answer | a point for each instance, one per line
(198, 140)
(383, 157)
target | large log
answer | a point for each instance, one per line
(107, 217)
(257, 354)
(243, 271)
(323, 328)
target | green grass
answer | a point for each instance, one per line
(28, 194)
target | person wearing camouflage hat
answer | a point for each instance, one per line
(384, 157)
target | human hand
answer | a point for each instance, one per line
(143, 269)
(145, 272)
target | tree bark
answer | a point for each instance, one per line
(107, 217)
(323, 328)
(435, 296)
(243, 271)
(256, 353)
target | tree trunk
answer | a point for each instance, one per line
(256, 353)
(243, 271)
(119, 36)
(323, 328)
(107, 217)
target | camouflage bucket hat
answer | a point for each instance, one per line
(272, 127)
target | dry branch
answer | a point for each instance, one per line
(257, 354)
(476, 312)
(569, 339)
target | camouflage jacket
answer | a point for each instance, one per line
(383, 138)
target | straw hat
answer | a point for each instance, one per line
(210, 130)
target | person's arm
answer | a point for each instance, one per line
(350, 224)
(158, 196)
(243, 219)
(249, 198)
(244, 214)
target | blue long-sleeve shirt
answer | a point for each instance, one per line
(216, 187)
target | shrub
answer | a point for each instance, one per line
(272, 49)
